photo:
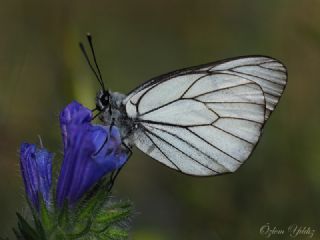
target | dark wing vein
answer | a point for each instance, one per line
(231, 134)
(213, 145)
(192, 146)
(171, 145)
(156, 145)
(235, 74)
(142, 95)
(191, 85)
(272, 69)
(168, 124)
(252, 103)
(243, 65)
(168, 103)
(227, 88)
(244, 119)
(251, 75)
(157, 108)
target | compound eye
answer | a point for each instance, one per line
(104, 100)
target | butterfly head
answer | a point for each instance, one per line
(103, 100)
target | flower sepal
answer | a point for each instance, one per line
(43, 222)
(46, 217)
(96, 215)
(93, 200)
(26, 231)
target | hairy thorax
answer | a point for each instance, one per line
(119, 117)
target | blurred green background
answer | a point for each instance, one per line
(42, 69)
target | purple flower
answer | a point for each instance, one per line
(36, 169)
(90, 152)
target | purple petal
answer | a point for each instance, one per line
(90, 153)
(36, 170)
(73, 113)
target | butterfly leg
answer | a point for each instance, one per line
(113, 177)
(98, 113)
(107, 138)
(115, 173)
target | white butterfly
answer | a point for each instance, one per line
(203, 120)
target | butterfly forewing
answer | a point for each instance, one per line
(268, 73)
(206, 120)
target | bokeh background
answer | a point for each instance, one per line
(42, 69)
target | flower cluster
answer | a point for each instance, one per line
(91, 151)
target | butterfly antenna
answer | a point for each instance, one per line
(90, 65)
(89, 37)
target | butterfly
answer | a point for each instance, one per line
(203, 120)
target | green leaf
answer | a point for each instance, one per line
(63, 216)
(113, 216)
(26, 230)
(35, 214)
(120, 204)
(39, 228)
(58, 235)
(82, 233)
(92, 203)
(115, 233)
(45, 217)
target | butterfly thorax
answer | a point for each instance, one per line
(114, 112)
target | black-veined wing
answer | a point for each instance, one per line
(206, 120)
